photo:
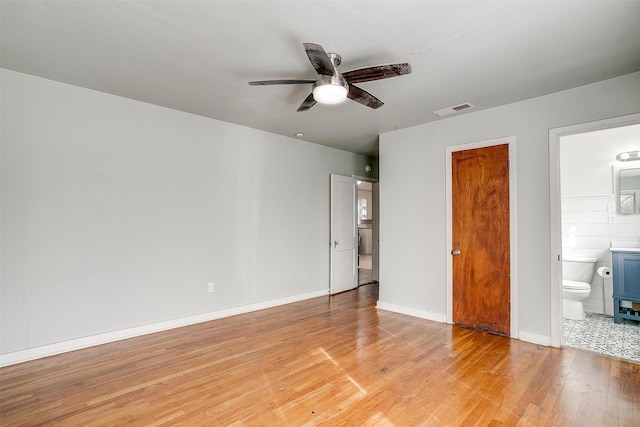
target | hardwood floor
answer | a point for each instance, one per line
(325, 361)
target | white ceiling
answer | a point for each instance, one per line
(197, 56)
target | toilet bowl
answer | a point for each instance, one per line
(577, 273)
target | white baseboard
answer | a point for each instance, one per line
(535, 338)
(436, 317)
(79, 343)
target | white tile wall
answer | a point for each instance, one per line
(588, 227)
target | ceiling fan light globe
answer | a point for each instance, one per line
(330, 93)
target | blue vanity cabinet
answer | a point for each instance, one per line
(626, 283)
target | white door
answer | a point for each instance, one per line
(344, 234)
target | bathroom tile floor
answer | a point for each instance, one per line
(598, 333)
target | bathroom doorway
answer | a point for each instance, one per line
(584, 222)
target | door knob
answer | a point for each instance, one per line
(455, 252)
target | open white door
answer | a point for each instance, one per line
(344, 234)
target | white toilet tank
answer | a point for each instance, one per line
(578, 269)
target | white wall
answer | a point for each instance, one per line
(413, 246)
(116, 213)
(588, 159)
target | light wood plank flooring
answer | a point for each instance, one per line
(325, 361)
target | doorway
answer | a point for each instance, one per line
(367, 220)
(354, 229)
(575, 210)
(491, 262)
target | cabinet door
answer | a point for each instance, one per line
(628, 268)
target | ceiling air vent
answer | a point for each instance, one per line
(454, 109)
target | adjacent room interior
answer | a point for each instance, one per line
(595, 219)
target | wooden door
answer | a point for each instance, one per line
(344, 237)
(480, 246)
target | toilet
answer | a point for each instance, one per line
(577, 273)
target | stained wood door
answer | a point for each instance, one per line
(480, 246)
(344, 237)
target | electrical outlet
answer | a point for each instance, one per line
(612, 219)
(211, 286)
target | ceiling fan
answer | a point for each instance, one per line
(332, 85)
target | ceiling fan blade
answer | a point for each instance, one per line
(376, 73)
(307, 103)
(281, 82)
(319, 59)
(363, 97)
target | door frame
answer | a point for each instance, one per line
(555, 214)
(513, 226)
